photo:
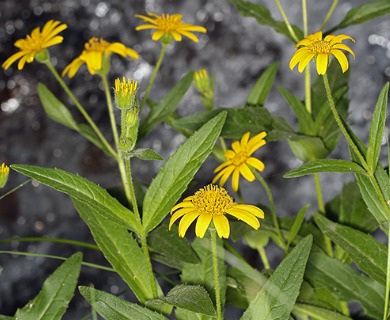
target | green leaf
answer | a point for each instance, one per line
(377, 129)
(326, 165)
(263, 17)
(363, 13)
(368, 254)
(57, 291)
(277, 298)
(346, 283)
(305, 120)
(144, 154)
(351, 209)
(3, 317)
(238, 122)
(297, 225)
(111, 307)
(120, 249)
(166, 105)
(174, 177)
(317, 313)
(192, 298)
(166, 243)
(83, 190)
(54, 108)
(308, 148)
(261, 89)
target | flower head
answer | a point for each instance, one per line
(4, 172)
(169, 26)
(313, 46)
(95, 54)
(36, 43)
(125, 92)
(239, 161)
(205, 86)
(211, 203)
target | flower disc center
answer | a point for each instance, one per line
(321, 46)
(212, 200)
(239, 158)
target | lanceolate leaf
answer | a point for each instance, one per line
(346, 283)
(317, 313)
(167, 105)
(297, 225)
(192, 298)
(261, 89)
(377, 129)
(120, 249)
(173, 179)
(54, 108)
(57, 291)
(363, 13)
(277, 298)
(112, 307)
(368, 254)
(325, 165)
(83, 190)
(263, 17)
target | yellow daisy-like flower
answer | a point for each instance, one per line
(95, 51)
(211, 203)
(169, 26)
(35, 43)
(313, 46)
(239, 161)
(4, 172)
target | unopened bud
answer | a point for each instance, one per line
(125, 93)
(4, 172)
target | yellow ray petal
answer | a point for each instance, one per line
(222, 226)
(245, 216)
(322, 63)
(186, 221)
(202, 224)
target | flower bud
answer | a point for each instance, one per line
(205, 87)
(125, 93)
(4, 172)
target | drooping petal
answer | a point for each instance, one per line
(222, 165)
(189, 35)
(222, 226)
(202, 224)
(245, 216)
(343, 47)
(186, 221)
(298, 56)
(342, 59)
(246, 172)
(178, 214)
(322, 63)
(224, 175)
(7, 63)
(251, 209)
(235, 179)
(305, 60)
(255, 163)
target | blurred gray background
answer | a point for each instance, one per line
(235, 49)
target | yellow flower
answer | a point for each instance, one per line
(35, 43)
(96, 50)
(212, 203)
(4, 172)
(168, 27)
(313, 46)
(239, 160)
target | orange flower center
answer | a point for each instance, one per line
(239, 158)
(212, 200)
(97, 45)
(321, 47)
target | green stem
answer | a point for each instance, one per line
(216, 273)
(81, 109)
(286, 21)
(328, 15)
(52, 240)
(120, 159)
(264, 258)
(308, 89)
(341, 125)
(273, 211)
(144, 243)
(304, 17)
(14, 189)
(152, 78)
(386, 307)
(321, 207)
(30, 254)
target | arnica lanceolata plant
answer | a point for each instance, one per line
(223, 226)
